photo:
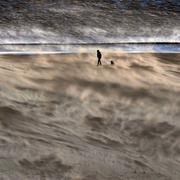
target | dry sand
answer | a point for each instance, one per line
(62, 117)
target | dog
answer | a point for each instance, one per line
(112, 62)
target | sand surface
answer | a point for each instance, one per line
(62, 117)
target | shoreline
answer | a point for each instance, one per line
(88, 48)
(2, 54)
(69, 54)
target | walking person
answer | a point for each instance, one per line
(99, 56)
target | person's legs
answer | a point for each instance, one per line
(99, 62)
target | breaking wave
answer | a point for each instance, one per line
(89, 22)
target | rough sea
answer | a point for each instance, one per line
(63, 23)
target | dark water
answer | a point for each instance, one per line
(46, 48)
(105, 21)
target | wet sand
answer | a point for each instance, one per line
(62, 117)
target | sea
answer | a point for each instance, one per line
(66, 26)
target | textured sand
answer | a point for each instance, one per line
(62, 117)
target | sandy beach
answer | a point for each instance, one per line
(63, 117)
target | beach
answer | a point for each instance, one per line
(64, 117)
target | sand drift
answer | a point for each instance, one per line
(62, 117)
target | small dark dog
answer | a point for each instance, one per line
(112, 62)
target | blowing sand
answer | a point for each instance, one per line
(62, 117)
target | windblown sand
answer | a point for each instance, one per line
(62, 117)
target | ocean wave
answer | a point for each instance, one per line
(88, 22)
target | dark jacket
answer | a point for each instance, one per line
(99, 54)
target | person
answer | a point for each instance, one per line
(99, 56)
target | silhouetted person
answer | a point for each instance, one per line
(99, 55)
